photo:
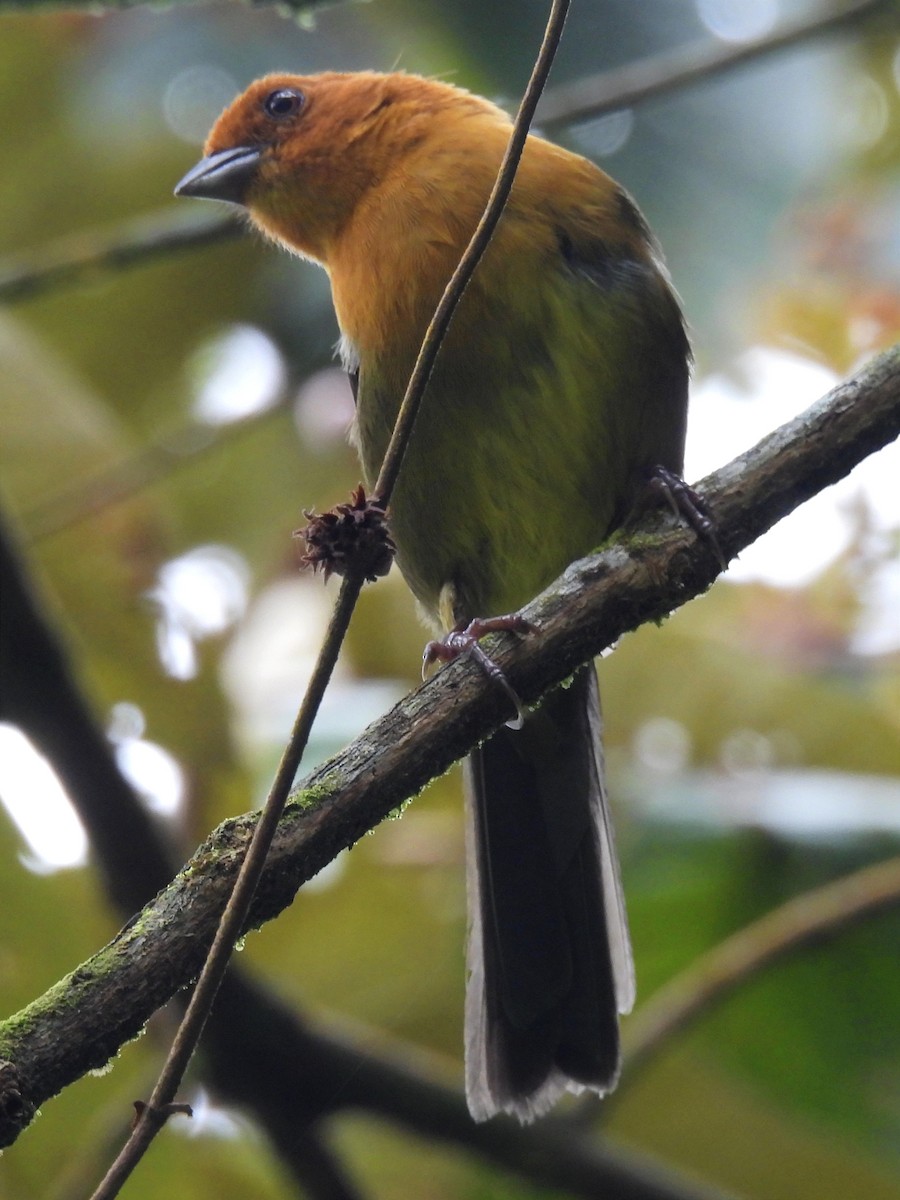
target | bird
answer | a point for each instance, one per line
(559, 390)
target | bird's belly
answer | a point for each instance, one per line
(494, 501)
(526, 448)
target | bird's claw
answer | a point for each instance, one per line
(687, 504)
(464, 640)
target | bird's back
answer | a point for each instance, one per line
(564, 372)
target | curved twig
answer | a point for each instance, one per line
(440, 322)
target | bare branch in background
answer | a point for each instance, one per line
(299, 7)
(159, 459)
(648, 78)
(74, 261)
(804, 921)
(85, 257)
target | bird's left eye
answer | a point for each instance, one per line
(283, 103)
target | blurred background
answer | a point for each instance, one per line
(164, 422)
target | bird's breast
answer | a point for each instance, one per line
(555, 382)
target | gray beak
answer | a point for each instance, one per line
(225, 175)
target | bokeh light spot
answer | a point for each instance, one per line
(238, 373)
(199, 594)
(738, 20)
(193, 100)
(36, 800)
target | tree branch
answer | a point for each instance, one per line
(41, 695)
(806, 920)
(73, 261)
(299, 7)
(321, 1071)
(258, 1053)
(82, 1020)
(648, 78)
(85, 256)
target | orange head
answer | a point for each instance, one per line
(300, 152)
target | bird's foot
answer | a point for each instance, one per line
(687, 504)
(464, 639)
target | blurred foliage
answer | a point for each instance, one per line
(775, 192)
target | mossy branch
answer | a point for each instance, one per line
(81, 1022)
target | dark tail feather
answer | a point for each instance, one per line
(549, 957)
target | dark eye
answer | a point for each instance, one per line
(283, 103)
